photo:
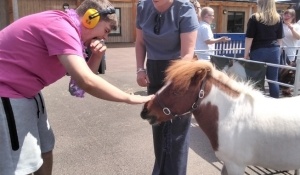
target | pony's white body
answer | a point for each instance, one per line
(244, 126)
(256, 130)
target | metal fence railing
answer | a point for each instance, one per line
(233, 52)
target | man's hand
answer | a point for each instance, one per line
(98, 47)
(225, 39)
(142, 78)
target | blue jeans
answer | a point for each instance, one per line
(171, 144)
(269, 55)
(170, 139)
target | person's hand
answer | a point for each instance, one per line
(98, 46)
(142, 78)
(290, 26)
(246, 56)
(225, 39)
(138, 99)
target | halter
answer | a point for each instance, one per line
(167, 111)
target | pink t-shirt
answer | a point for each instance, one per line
(29, 49)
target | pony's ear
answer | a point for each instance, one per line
(200, 75)
(195, 57)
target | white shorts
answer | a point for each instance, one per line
(25, 133)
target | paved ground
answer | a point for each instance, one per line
(96, 137)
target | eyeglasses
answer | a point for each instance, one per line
(157, 24)
(287, 14)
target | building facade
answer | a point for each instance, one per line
(230, 16)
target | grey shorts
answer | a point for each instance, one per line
(25, 133)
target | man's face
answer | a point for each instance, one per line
(209, 17)
(101, 31)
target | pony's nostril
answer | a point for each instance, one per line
(152, 120)
(146, 116)
(144, 113)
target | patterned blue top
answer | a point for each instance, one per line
(179, 18)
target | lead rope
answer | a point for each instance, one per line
(11, 123)
(42, 102)
(37, 105)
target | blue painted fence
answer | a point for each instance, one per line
(233, 48)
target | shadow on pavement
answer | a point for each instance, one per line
(143, 93)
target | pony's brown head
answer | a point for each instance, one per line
(180, 94)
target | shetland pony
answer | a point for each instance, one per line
(244, 126)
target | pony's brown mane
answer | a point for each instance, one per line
(181, 72)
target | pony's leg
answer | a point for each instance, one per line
(232, 169)
(297, 172)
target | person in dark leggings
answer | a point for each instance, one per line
(165, 30)
(171, 139)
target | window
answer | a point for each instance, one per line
(235, 23)
(118, 31)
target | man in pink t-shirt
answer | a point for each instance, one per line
(36, 51)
